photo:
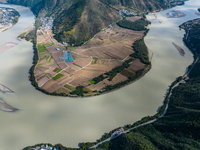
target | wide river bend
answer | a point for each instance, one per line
(68, 121)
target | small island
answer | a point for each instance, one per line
(180, 50)
(113, 58)
(8, 18)
(5, 89)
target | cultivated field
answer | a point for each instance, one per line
(109, 49)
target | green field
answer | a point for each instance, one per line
(77, 65)
(59, 70)
(45, 57)
(47, 44)
(91, 81)
(50, 59)
(69, 87)
(58, 76)
(41, 48)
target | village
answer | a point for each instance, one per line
(8, 17)
(43, 147)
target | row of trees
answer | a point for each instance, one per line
(137, 25)
(141, 51)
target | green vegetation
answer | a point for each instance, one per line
(48, 44)
(41, 48)
(79, 91)
(98, 79)
(45, 57)
(69, 87)
(141, 51)
(58, 76)
(50, 59)
(69, 18)
(38, 23)
(59, 70)
(91, 81)
(57, 146)
(74, 58)
(111, 74)
(30, 35)
(77, 65)
(137, 25)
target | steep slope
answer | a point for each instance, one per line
(78, 20)
(82, 20)
(86, 17)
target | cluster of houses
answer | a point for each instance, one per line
(6, 16)
(43, 147)
(123, 12)
(47, 23)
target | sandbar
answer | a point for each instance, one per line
(6, 46)
(5, 89)
(6, 107)
(180, 50)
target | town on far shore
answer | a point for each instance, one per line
(8, 17)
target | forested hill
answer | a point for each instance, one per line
(78, 20)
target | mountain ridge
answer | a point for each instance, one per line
(77, 27)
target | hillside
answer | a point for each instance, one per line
(76, 21)
(90, 16)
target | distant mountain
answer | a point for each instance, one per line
(78, 20)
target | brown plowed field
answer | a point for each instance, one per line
(63, 90)
(53, 87)
(137, 64)
(80, 81)
(42, 81)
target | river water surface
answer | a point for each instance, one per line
(68, 121)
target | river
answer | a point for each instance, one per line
(68, 121)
